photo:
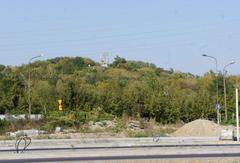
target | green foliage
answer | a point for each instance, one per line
(2, 67)
(119, 62)
(150, 133)
(92, 93)
(3, 125)
(56, 118)
(229, 122)
(98, 114)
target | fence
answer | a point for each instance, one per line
(34, 117)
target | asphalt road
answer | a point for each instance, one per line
(120, 149)
(156, 152)
(126, 147)
(112, 158)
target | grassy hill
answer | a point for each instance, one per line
(126, 88)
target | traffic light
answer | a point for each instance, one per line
(60, 108)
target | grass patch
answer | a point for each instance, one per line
(6, 138)
(150, 132)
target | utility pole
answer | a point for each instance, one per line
(224, 87)
(217, 101)
(29, 85)
(237, 114)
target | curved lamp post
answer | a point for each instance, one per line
(29, 85)
(224, 87)
(217, 101)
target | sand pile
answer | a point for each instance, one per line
(199, 128)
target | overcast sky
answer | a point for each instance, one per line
(168, 33)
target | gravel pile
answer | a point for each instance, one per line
(199, 128)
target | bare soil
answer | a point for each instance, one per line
(199, 128)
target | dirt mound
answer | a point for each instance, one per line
(199, 128)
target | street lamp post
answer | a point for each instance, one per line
(224, 87)
(217, 101)
(29, 85)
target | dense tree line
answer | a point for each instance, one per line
(89, 91)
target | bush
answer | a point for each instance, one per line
(3, 124)
(229, 122)
(62, 119)
(105, 116)
(98, 114)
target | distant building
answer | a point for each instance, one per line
(104, 60)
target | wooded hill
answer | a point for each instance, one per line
(126, 88)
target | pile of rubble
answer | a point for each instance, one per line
(101, 125)
(137, 125)
(29, 133)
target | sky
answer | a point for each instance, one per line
(169, 33)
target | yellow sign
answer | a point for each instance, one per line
(60, 108)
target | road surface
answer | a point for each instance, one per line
(155, 152)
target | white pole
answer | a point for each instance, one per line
(237, 116)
